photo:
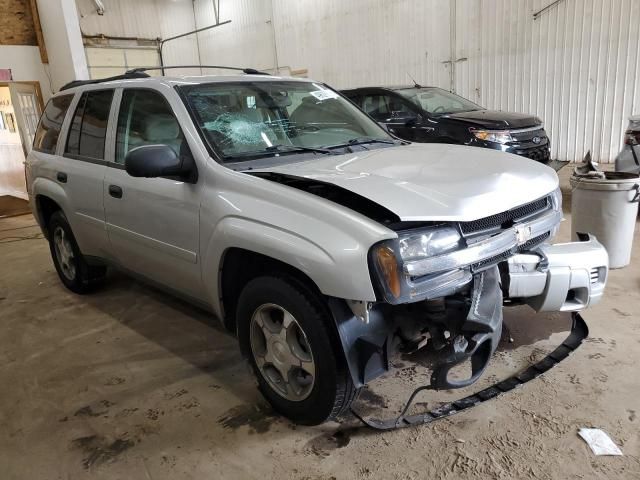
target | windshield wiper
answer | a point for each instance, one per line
(296, 148)
(272, 150)
(363, 141)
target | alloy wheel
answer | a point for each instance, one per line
(282, 353)
(64, 253)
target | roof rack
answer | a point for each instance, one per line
(248, 71)
(140, 73)
(128, 75)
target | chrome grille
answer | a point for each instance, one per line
(540, 154)
(532, 242)
(489, 262)
(526, 135)
(528, 245)
(505, 219)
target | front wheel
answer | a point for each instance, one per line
(284, 331)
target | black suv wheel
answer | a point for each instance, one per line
(284, 332)
(72, 268)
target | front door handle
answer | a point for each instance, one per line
(62, 177)
(115, 191)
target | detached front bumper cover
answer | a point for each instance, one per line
(579, 331)
(562, 277)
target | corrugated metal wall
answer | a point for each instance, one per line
(577, 66)
(144, 19)
(246, 41)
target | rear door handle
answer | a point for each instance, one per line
(62, 177)
(115, 191)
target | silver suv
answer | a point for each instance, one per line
(320, 240)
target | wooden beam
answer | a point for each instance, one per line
(16, 23)
(38, 28)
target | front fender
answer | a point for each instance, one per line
(337, 271)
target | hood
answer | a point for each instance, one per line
(432, 182)
(494, 119)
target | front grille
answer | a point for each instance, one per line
(505, 219)
(594, 275)
(532, 242)
(528, 135)
(488, 262)
(528, 245)
(539, 154)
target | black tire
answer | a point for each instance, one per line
(84, 277)
(333, 390)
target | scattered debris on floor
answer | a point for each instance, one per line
(599, 442)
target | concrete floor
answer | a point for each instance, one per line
(129, 383)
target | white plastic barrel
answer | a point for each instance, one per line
(607, 208)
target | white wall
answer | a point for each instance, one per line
(24, 62)
(61, 31)
(577, 66)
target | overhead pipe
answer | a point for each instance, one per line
(197, 30)
(99, 7)
(548, 7)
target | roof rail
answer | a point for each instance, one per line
(248, 71)
(140, 73)
(127, 75)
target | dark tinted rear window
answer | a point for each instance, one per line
(89, 126)
(48, 131)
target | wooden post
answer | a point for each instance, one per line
(38, 29)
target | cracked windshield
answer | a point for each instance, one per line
(252, 120)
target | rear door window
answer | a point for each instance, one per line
(89, 125)
(46, 138)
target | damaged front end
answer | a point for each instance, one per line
(461, 327)
(444, 287)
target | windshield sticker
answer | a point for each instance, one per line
(324, 94)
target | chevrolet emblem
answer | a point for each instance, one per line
(523, 233)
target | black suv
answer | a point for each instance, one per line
(430, 114)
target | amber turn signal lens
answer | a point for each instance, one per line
(389, 267)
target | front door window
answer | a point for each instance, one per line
(146, 119)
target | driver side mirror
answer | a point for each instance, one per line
(151, 161)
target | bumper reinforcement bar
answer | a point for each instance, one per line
(579, 331)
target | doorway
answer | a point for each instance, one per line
(20, 108)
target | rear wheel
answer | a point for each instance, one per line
(74, 272)
(283, 329)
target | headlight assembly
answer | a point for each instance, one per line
(389, 269)
(388, 259)
(495, 136)
(428, 243)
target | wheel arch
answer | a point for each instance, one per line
(49, 198)
(238, 266)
